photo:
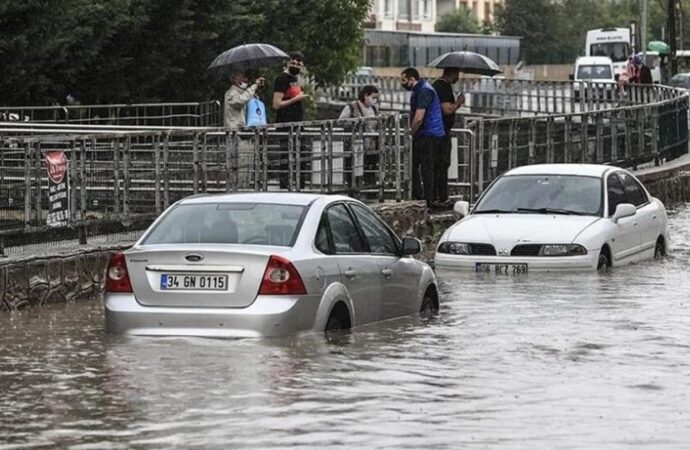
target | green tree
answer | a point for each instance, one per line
(537, 21)
(461, 20)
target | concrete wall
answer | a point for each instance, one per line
(42, 280)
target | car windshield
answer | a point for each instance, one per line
(228, 223)
(547, 194)
(617, 51)
(680, 81)
(598, 72)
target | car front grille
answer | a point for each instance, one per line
(526, 250)
(482, 249)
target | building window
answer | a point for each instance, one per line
(388, 9)
(426, 8)
(403, 10)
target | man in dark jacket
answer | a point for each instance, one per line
(426, 130)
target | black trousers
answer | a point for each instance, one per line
(442, 163)
(425, 150)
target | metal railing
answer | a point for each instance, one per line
(126, 176)
(201, 114)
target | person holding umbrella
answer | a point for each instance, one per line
(237, 97)
(449, 105)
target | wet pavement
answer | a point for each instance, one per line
(542, 361)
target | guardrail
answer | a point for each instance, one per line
(122, 176)
(201, 114)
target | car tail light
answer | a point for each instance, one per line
(117, 277)
(281, 278)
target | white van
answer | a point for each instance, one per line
(611, 42)
(594, 69)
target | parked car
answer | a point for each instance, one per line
(595, 77)
(680, 80)
(265, 264)
(556, 217)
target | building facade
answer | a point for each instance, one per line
(421, 15)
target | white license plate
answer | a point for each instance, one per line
(193, 282)
(501, 269)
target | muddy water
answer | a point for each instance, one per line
(545, 361)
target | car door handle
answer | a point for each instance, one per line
(635, 224)
(387, 273)
(350, 273)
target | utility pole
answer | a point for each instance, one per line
(644, 30)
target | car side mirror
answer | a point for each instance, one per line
(462, 208)
(411, 246)
(624, 210)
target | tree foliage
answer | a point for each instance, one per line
(554, 31)
(158, 50)
(460, 20)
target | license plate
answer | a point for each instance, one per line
(501, 269)
(193, 282)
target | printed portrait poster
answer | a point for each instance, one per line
(58, 189)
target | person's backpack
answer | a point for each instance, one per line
(255, 113)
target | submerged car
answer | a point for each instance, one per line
(265, 264)
(556, 217)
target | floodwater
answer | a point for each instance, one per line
(544, 361)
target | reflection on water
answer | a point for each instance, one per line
(539, 361)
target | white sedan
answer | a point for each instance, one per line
(556, 217)
(265, 264)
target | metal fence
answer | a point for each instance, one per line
(126, 177)
(201, 114)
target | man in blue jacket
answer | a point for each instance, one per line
(427, 132)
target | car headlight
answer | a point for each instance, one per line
(454, 248)
(562, 250)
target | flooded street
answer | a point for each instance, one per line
(542, 361)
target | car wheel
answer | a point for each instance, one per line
(428, 308)
(334, 323)
(659, 250)
(604, 264)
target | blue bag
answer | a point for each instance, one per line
(256, 113)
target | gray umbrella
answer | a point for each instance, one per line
(249, 56)
(467, 62)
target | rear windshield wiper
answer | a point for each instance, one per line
(494, 211)
(553, 211)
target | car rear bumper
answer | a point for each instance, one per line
(267, 316)
(541, 264)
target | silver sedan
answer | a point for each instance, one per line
(265, 264)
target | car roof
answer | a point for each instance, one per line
(588, 170)
(285, 198)
(584, 60)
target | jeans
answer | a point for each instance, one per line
(425, 150)
(441, 165)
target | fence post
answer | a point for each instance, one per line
(235, 160)
(228, 160)
(642, 126)
(532, 141)
(655, 135)
(584, 137)
(628, 133)
(568, 139)
(204, 169)
(614, 136)
(116, 174)
(322, 150)
(166, 170)
(27, 182)
(298, 159)
(382, 159)
(398, 193)
(38, 156)
(157, 171)
(195, 163)
(73, 181)
(550, 157)
(480, 158)
(126, 176)
(599, 148)
(330, 158)
(264, 152)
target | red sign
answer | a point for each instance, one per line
(57, 166)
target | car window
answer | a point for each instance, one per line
(322, 242)
(228, 223)
(345, 235)
(615, 192)
(377, 235)
(633, 191)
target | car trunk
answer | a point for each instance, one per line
(203, 276)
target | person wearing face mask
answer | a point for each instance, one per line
(287, 102)
(426, 130)
(237, 97)
(363, 150)
(449, 105)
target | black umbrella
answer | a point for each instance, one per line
(249, 56)
(467, 62)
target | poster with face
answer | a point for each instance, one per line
(58, 189)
